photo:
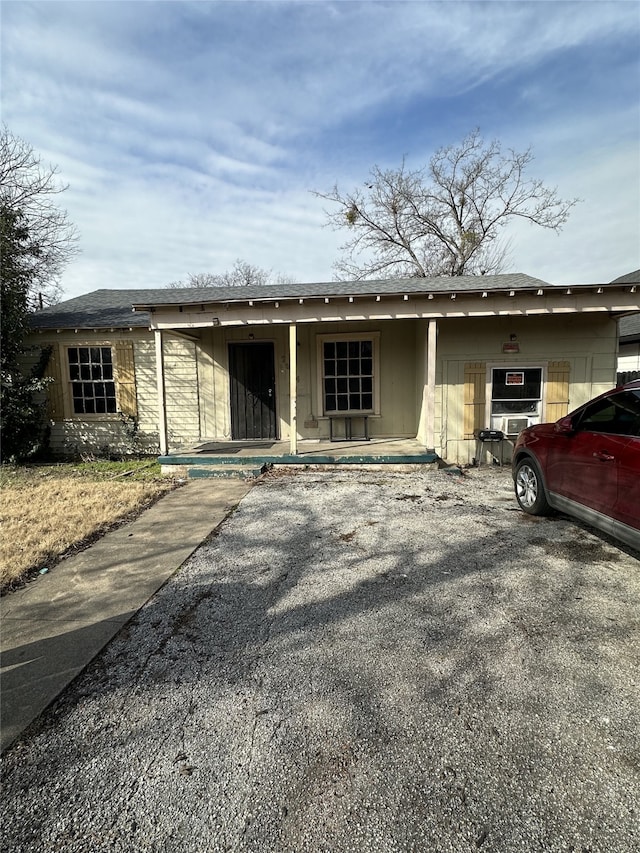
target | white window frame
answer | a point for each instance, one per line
(514, 367)
(68, 385)
(374, 337)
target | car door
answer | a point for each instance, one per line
(589, 470)
(627, 508)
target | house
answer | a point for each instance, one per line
(629, 337)
(629, 349)
(428, 360)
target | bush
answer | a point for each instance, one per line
(22, 417)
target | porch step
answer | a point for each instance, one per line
(217, 465)
(241, 472)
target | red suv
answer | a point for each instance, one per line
(586, 465)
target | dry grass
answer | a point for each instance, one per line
(47, 512)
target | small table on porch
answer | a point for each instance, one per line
(348, 427)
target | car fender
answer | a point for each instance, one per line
(527, 453)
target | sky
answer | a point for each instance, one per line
(193, 134)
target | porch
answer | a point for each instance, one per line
(250, 458)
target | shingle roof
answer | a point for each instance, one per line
(106, 309)
(629, 327)
(628, 278)
(448, 284)
(102, 309)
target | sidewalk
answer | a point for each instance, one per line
(56, 625)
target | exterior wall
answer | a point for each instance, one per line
(586, 343)
(629, 357)
(397, 364)
(398, 398)
(214, 383)
(577, 352)
(73, 435)
(182, 398)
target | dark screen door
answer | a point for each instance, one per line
(253, 396)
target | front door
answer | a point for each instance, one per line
(253, 398)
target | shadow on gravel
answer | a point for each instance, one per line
(327, 646)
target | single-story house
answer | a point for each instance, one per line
(431, 360)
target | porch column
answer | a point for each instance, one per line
(162, 411)
(293, 389)
(427, 424)
(430, 387)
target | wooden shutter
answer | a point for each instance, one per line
(475, 381)
(557, 402)
(126, 378)
(55, 370)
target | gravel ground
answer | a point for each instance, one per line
(367, 661)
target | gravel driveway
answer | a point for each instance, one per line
(367, 661)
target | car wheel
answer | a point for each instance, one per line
(530, 489)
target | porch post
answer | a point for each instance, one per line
(430, 387)
(162, 412)
(293, 389)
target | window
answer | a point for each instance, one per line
(348, 374)
(93, 390)
(617, 415)
(516, 391)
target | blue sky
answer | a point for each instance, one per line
(191, 134)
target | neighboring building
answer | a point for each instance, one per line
(629, 340)
(430, 359)
(629, 333)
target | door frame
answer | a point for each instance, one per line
(246, 344)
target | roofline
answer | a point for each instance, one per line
(560, 289)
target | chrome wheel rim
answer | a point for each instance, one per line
(527, 486)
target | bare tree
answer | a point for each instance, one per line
(27, 191)
(444, 219)
(241, 274)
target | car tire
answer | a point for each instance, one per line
(529, 487)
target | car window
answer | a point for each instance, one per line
(618, 414)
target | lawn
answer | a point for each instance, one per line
(50, 511)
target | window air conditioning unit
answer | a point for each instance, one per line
(514, 426)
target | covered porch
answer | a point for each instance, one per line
(249, 458)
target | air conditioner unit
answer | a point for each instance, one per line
(514, 426)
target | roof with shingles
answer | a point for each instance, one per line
(367, 287)
(628, 278)
(102, 309)
(106, 308)
(629, 328)
(113, 308)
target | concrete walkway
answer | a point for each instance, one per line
(53, 627)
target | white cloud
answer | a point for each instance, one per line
(190, 134)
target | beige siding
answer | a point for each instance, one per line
(629, 357)
(213, 376)
(181, 391)
(146, 387)
(557, 391)
(578, 354)
(103, 434)
(475, 378)
(398, 368)
(125, 376)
